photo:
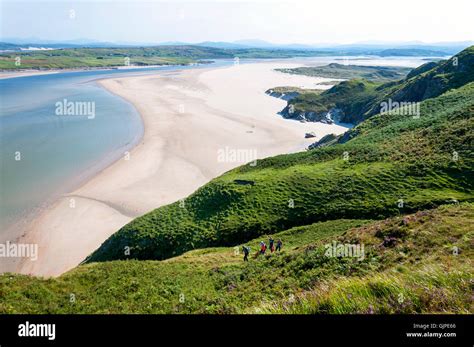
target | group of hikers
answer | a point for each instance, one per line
(263, 248)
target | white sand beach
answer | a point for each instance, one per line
(188, 117)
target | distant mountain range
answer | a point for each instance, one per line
(361, 48)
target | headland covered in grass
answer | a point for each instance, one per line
(360, 98)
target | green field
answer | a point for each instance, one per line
(138, 56)
(98, 57)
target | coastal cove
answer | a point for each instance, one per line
(73, 148)
(158, 143)
(32, 121)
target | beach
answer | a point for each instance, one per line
(189, 117)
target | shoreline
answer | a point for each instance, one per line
(14, 233)
(5, 74)
(25, 73)
(174, 157)
(301, 61)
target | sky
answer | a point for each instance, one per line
(297, 21)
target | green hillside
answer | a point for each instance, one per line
(420, 162)
(357, 100)
(410, 265)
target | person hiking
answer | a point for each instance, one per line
(263, 247)
(279, 244)
(246, 250)
(271, 241)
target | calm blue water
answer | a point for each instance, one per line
(56, 152)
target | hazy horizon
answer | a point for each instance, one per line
(300, 22)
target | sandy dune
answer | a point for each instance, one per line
(188, 117)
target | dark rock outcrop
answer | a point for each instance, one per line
(334, 114)
(280, 95)
(324, 141)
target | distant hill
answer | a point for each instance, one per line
(66, 56)
(379, 49)
(141, 56)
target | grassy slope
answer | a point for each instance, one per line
(360, 99)
(419, 264)
(354, 98)
(392, 158)
(427, 270)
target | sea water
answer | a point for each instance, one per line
(46, 151)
